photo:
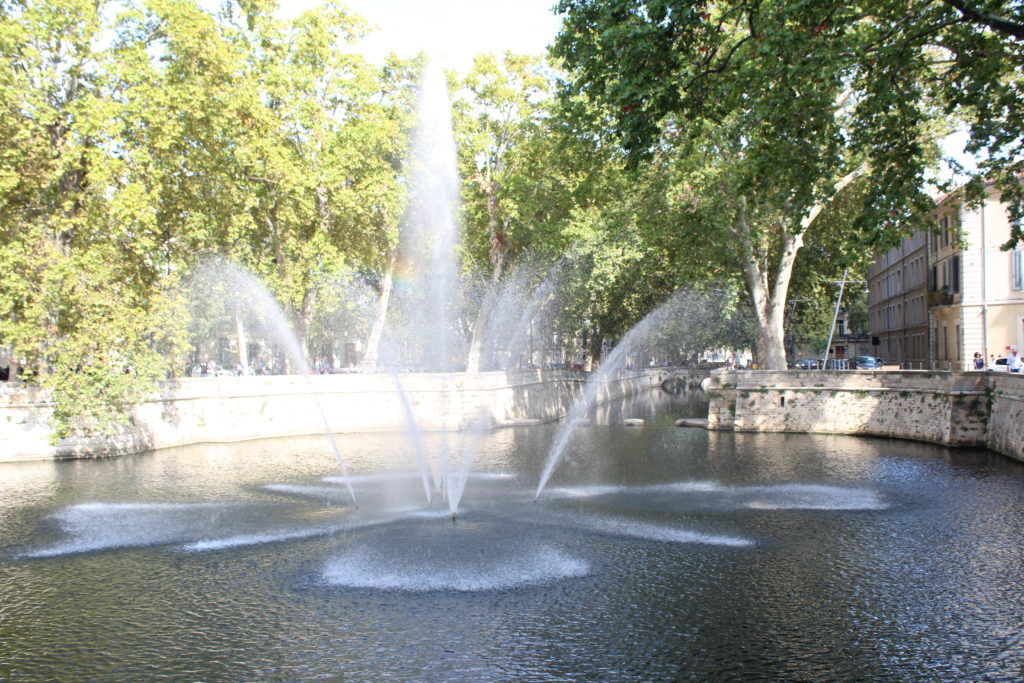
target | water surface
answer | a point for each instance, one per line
(655, 553)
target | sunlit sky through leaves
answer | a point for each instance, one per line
(456, 30)
(453, 30)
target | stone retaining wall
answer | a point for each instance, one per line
(225, 409)
(949, 408)
(1006, 415)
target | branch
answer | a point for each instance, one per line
(816, 210)
(843, 98)
(705, 65)
(1002, 25)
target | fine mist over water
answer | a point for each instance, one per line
(668, 323)
(251, 304)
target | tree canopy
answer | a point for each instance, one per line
(720, 145)
(772, 112)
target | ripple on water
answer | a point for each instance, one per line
(784, 496)
(657, 532)
(331, 494)
(367, 568)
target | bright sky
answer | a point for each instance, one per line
(953, 146)
(453, 30)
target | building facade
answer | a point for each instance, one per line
(846, 341)
(898, 304)
(976, 289)
(940, 297)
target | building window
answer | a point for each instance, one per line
(1017, 269)
(954, 276)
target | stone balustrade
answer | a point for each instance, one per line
(950, 408)
(226, 409)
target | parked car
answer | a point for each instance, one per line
(999, 365)
(866, 363)
(806, 364)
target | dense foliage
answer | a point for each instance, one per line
(775, 112)
(140, 138)
(725, 146)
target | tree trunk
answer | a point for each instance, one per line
(529, 345)
(270, 219)
(371, 358)
(305, 323)
(498, 253)
(593, 359)
(243, 351)
(769, 304)
(480, 324)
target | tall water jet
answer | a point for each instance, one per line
(415, 436)
(420, 331)
(428, 286)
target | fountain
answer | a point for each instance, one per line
(521, 310)
(641, 336)
(661, 553)
(421, 334)
(250, 298)
(426, 293)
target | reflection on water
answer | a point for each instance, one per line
(656, 553)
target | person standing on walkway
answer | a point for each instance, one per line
(1013, 361)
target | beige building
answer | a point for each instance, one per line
(976, 290)
(848, 342)
(898, 304)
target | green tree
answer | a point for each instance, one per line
(318, 166)
(275, 145)
(502, 112)
(774, 110)
(140, 138)
(85, 304)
